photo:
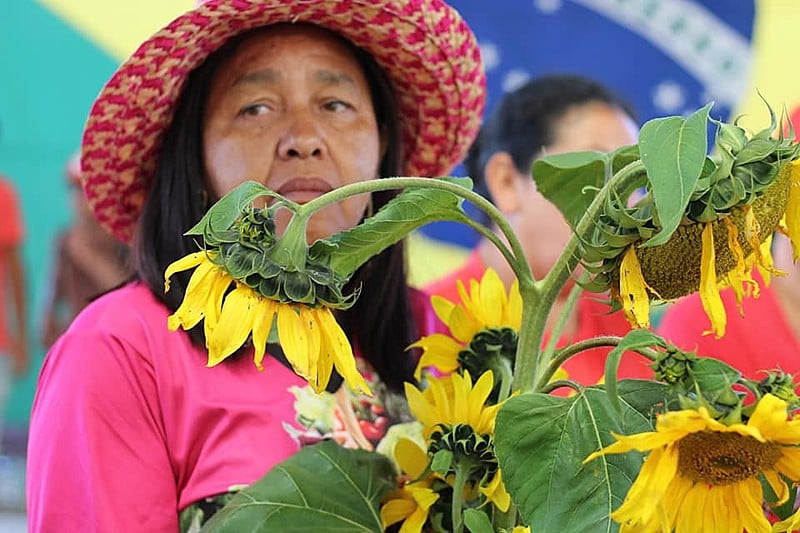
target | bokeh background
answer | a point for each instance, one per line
(665, 56)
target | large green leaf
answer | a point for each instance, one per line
(571, 180)
(542, 440)
(406, 212)
(324, 487)
(673, 150)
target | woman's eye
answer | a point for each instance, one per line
(254, 110)
(337, 105)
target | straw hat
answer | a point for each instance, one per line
(424, 46)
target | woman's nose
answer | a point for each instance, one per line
(301, 139)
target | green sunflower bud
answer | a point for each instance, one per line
(673, 366)
(779, 384)
(251, 253)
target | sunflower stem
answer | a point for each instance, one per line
(456, 515)
(505, 521)
(538, 298)
(513, 253)
(501, 367)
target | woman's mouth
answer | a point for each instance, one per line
(302, 190)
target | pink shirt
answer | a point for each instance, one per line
(124, 403)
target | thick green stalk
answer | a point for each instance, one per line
(538, 298)
(515, 256)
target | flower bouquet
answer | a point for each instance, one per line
(502, 439)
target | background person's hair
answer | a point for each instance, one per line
(524, 121)
(380, 323)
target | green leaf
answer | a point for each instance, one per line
(711, 374)
(324, 487)
(673, 150)
(570, 181)
(223, 213)
(542, 440)
(477, 521)
(406, 212)
(636, 338)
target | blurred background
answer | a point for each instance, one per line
(666, 57)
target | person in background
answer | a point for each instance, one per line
(130, 429)
(548, 115)
(13, 307)
(88, 261)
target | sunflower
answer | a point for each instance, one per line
(312, 340)
(702, 475)
(411, 502)
(452, 401)
(737, 206)
(487, 315)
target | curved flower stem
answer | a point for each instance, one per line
(538, 299)
(557, 384)
(505, 521)
(555, 332)
(462, 471)
(515, 256)
(501, 367)
(587, 344)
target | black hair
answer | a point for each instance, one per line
(380, 324)
(524, 122)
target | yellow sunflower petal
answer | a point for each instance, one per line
(439, 351)
(463, 325)
(193, 307)
(425, 498)
(739, 275)
(792, 217)
(263, 318)
(492, 299)
(216, 293)
(496, 493)
(778, 485)
(442, 307)
(750, 510)
(336, 344)
(709, 292)
(411, 458)
(641, 504)
(770, 418)
(420, 407)
(400, 507)
(633, 291)
(184, 263)
(513, 316)
(789, 463)
(790, 524)
(293, 334)
(234, 325)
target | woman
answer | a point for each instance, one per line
(129, 427)
(548, 115)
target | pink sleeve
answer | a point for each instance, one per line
(96, 452)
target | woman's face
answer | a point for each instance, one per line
(291, 109)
